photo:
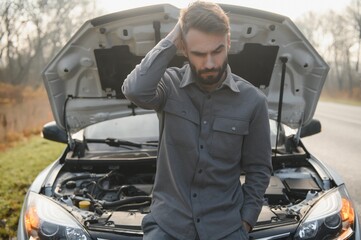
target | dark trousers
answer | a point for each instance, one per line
(152, 231)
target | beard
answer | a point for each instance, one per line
(213, 75)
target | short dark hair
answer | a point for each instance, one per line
(206, 17)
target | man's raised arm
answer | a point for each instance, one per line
(143, 86)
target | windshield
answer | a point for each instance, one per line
(145, 127)
(132, 128)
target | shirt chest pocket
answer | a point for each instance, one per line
(181, 124)
(227, 138)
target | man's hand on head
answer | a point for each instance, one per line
(175, 36)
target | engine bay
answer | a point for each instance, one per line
(115, 195)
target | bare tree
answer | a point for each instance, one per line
(32, 31)
(354, 13)
(312, 27)
(334, 36)
(9, 33)
(316, 29)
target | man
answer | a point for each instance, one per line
(212, 124)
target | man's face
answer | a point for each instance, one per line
(207, 55)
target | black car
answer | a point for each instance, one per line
(101, 186)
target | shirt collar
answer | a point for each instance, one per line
(229, 81)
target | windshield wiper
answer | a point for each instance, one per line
(115, 142)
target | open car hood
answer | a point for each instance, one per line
(84, 79)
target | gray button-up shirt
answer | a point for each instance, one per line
(205, 141)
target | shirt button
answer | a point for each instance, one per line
(233, 129)
(200, 171)
(205, 122)
(201, 146)
(198, 220)
(194, 195)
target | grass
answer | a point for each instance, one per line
(19, 166)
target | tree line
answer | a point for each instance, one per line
(337, 37)
(32, 31)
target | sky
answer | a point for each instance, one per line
(290, 8)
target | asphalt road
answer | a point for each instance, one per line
(339, 144)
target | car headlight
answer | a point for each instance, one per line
(332, 217)
(44, 219)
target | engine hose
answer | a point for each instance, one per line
(59, 185)
(128, 200)
(131, 206)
